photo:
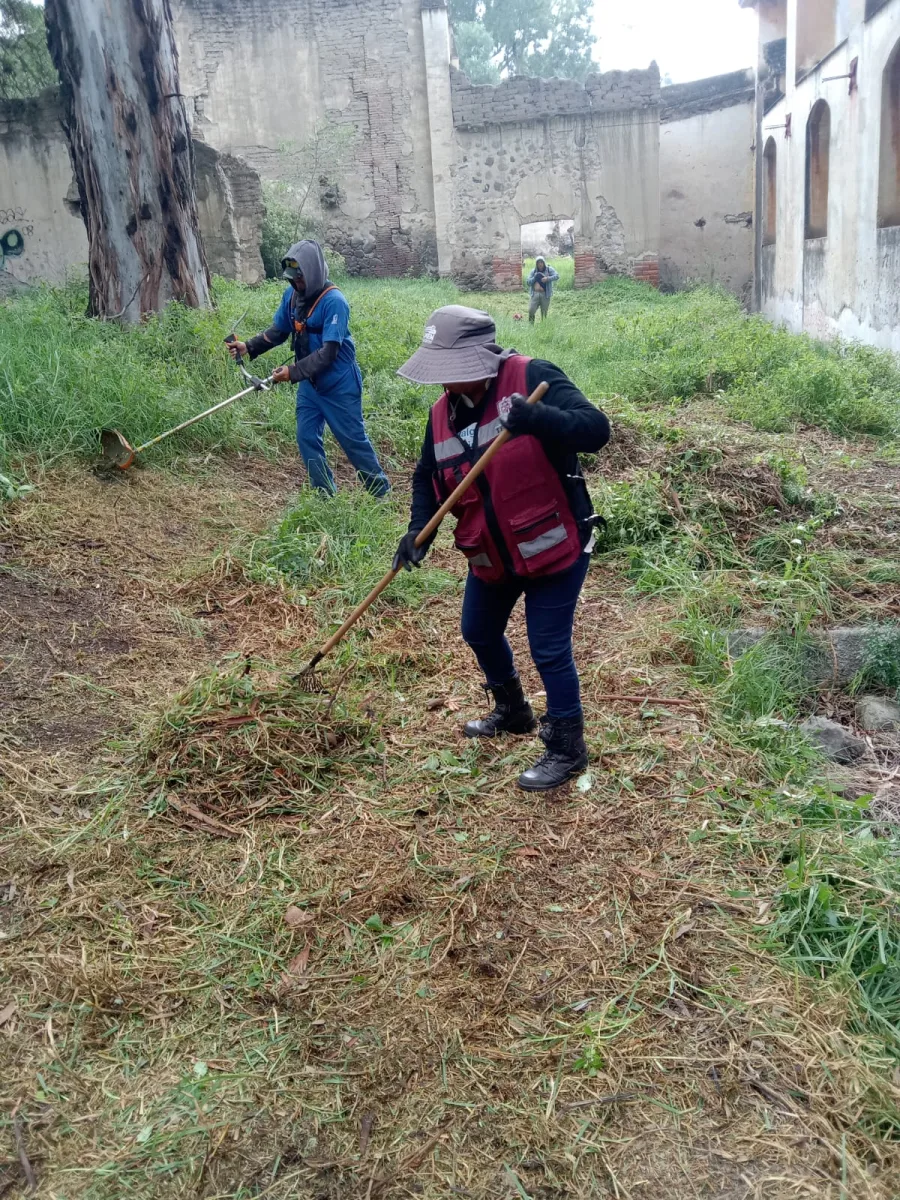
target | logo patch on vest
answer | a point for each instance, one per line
(503, 406)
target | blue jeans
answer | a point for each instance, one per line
(343, 416)
(549, 616)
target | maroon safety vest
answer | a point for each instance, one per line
(516, 518)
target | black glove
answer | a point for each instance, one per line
(521, 415)
(408, 554)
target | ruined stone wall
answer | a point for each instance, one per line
(42, 235)
(706, 173)
(230, 210)
(263, 73)
(535, 150)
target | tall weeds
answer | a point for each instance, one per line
(63, 377)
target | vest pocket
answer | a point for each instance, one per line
(540, 538)
(483, 559)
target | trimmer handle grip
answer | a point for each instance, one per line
(239, 359)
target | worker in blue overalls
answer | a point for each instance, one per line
(316, 316)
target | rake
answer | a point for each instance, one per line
(307, 677)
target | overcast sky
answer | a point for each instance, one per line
(688, 38)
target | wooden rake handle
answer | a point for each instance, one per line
(424, 534)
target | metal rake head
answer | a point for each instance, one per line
(310, 681)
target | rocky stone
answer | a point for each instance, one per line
(878, 714)
(833, 740)
(230, 210)
(833, 656)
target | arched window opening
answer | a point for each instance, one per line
(770, 196)
(889, 165)
(818, 136)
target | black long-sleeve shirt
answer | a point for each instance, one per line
(565, 422)
(303, 368)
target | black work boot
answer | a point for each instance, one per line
(512, 712)
(566, 754)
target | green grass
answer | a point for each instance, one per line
(163, 952)
(881, 668)
(63, 377)
(339, 547)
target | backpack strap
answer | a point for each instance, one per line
(300, 324)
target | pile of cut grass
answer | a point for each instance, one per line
(554, 982)
(403, 975)
(246, 743)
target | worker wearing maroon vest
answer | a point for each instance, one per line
(526, 526)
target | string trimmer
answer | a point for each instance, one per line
(306, 678)
(118, 451)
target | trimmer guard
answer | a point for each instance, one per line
(116, 449)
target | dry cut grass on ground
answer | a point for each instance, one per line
(289, 945)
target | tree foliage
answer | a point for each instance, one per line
(475, 48)
(25, 64)
(542, 38)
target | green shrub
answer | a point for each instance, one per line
(635, 513)
(282, 227)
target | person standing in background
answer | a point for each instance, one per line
(540, 285)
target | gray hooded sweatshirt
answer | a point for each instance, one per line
(312, 263)
(319, 360)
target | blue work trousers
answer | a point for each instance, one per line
(343, 416)
(550, 602)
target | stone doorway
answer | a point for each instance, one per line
(554, 241)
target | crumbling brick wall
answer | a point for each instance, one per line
(475, 106)
(230, 211)
(534, 150)
(268, 72)
(706, 163)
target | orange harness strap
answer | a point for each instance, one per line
(299, 326)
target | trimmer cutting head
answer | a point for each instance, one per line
(115, 449)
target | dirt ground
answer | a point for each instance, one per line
(408, 979)
(102, 612)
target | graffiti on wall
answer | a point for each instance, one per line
(12, 240)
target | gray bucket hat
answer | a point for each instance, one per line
(458, 346)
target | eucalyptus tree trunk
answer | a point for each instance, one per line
(131, 151)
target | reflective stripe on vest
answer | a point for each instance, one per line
(544, 541)
(450, 447)
(487, 433)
